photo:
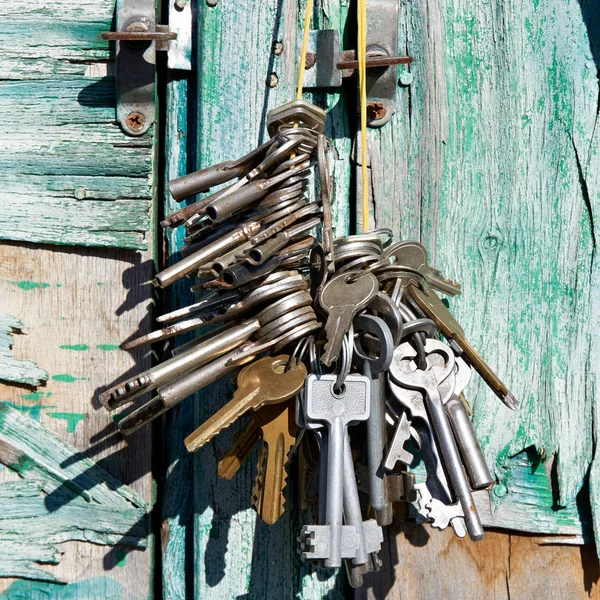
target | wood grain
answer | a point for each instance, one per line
(13, 370)
(429, 564)
(78, 306)
(68, 174)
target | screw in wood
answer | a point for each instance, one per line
(272, 80)
(135, 121)
(376, 110)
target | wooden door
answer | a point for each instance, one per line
(490, 161)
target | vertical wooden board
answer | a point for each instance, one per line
(489, 161)
(77, 307)
(236, 554)
(68, 174)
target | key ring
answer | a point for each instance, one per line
(345, 360)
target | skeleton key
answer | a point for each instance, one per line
(244, 442)
(200, 181)
(279, 436)
(263, 382)
(433, 307)
(376, 428)
(414, 255)
(464, 433)
(336, 410)
(428, 381)
(343, 297)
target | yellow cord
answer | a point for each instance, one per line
(362, 82)
(307, 14)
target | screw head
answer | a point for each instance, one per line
(80, 192)
(376, 110)
(310, 60)
(277, 48)
(136, 121)
(272, 80)
(406, 78)
(212, 3)
(180, 4)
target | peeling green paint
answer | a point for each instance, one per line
(62, 496)
(11, 369)
(36, 396)
(108, 347)
(35, 411)
(77, 347)
(95, 588)
(72, 419)
(121, 556)
(29, 285)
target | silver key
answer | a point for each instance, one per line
(464, 433)
(428, 381)
(439, 514)
(396, 452)
(376, 429)
(343, 297)
(414, 255)
(336, 411)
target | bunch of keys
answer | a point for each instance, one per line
(248, 243)
(343, 352)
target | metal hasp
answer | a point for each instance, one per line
(327, 64)
(137, 39)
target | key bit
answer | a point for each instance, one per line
(279, 435)
(243, 443)
(435, 309)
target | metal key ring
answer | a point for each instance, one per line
(384, 231)
(345, 359)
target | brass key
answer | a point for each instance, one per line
(263, 382)
(429, 302)
(279, 436)
(243, 443)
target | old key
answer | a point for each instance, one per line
(263, 382)
(429, 302)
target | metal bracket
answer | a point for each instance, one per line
(327, 64)
(137, 38)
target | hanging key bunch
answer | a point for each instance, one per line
(394, 383)
(336, 348)
(248, 244)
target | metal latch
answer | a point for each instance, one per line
(138, 37)
(327, 63)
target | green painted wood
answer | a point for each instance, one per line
(14, 370)
(61, 496)
(68, 175)
(491, 160)
(177, 506)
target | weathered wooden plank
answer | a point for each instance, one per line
(177, 507)
(236, 554)
(78, 306)
(12, 369)
(432, 564)
(58, 132)
(483, 160)
(64, 496)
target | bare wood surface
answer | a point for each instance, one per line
(77, 306)
(436, 565)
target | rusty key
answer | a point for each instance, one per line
(430, 303)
